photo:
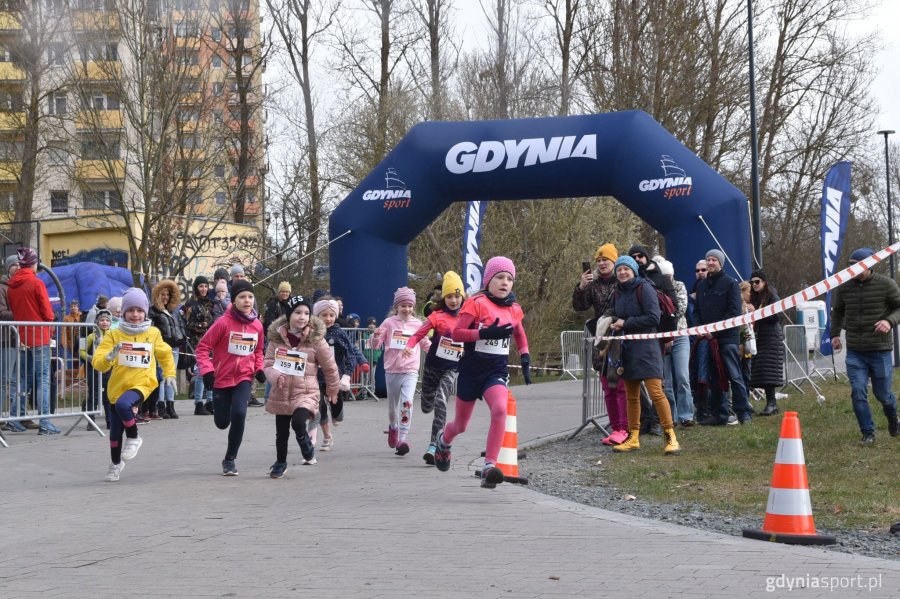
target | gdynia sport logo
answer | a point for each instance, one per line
(468, 157)
(674, 182)
(395, 194)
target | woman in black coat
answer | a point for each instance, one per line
(636, 310)
(767, 368)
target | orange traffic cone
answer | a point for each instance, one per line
(789, 517)
(508, 459)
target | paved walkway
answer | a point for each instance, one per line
(361, 523)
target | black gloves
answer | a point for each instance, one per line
(496, 331)
(208, 379)
(260, 376)
(526, 368)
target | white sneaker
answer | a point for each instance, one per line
(130, 448)
(327, 444)
(112, 475)
(311, 462)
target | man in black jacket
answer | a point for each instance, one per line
(868, 307)
(719, 298)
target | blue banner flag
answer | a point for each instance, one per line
(472, 267)
(835, 213)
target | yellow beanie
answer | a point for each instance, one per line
(608, 251)
(284, 286)
(452, 284)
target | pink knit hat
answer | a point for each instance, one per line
(496, 265)
(404, 294)
(325, 304)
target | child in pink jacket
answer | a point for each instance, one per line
(297, 350)
(487, 322)
(236, 343)
(401, 364)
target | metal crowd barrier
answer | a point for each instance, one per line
(362, 384)
(593, 407)
(801, 363)
(42, 379)
(572, 344)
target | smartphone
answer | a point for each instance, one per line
(585, 266)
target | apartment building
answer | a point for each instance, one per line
(133, 123)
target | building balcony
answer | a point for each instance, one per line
(10, 170)
(99, 120)
(100, 70)
(9, 22)
(95, 20)
(11, 72)
(252, 182)
(12, 121)
(99, 170)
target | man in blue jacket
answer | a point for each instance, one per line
(719, 298)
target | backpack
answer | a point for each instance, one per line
(668, 320)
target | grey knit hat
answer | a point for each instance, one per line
(718, 255)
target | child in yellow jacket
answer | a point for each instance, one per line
(131, 351)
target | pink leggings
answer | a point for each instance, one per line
(495, 397)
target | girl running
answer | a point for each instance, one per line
(486, 323)
(132, 352)
(336, 337)
(401, 365)
(97, 383)
(297, 350)
(443, 358)
(236, 343)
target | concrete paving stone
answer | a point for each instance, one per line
(362, 522)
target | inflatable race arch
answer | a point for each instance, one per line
(627, 155)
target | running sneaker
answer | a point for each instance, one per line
(229, 468)
(327, 444)
(491, 476)
(429, 455)
(392, 434)
(14, 426)
(130, 448)
(112, 475)
(278, 469)
(442, 454)
(402, 448)
(311, 461)
(48, 426)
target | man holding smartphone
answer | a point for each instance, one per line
(595, 290)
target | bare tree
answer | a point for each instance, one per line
(42, 38)
(147, 134)
(234, 32)
(301, 24)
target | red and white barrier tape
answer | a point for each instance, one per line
(804, 295)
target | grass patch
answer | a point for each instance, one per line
(729, 469)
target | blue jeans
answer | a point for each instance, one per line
(8, 375)
(35, 370)
(861, 365)
(678, 380)
(201, 393)
(718, 399)
(702, 357)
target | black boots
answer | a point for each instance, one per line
(770, 409)
(170, 410)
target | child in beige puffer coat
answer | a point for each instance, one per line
(297, 350)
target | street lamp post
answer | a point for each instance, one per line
(890, 217)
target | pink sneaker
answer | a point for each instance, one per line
(606, 440)
(618, 437)
(392, 434)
